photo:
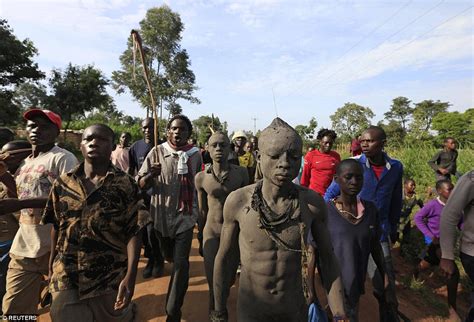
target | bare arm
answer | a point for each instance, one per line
(8, 206)
(330, 271)
(311, 271)
(203, 207)
(127, 286)
(228, 249)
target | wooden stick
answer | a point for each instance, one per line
(138, 41)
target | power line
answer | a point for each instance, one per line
(385, 39)
(368, 66)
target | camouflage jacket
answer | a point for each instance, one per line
(93, 231)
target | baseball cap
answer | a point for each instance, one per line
(238, 134)
(53, 117)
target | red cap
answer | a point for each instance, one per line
(53, 117)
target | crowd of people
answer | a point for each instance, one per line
(265, 212)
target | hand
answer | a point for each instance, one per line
(447, 266)
(125, 293)
(155, 169)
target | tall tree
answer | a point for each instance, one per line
(400, 111)
(77, 90)
(424, 113)
(169, 64)
(16, 67)
(351, 119)
(395, 133)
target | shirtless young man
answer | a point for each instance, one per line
(213, 186)
(269, 222)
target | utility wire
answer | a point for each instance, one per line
(411, 41)
(392, 35)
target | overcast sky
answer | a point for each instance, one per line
(313, 55)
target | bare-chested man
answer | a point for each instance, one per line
(269, 222)
(213, 187)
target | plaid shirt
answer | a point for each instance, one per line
(93, 231)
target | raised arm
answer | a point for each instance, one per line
(224, 271)
(330, 272)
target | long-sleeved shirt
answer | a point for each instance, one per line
(444, 159)
(461, 201)
(385, 192)
(319, 169)
(427, 219)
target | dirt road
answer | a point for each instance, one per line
(150, 296)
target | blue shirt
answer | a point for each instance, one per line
(385, 193)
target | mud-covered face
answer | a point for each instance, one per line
(280, 158)
(219, 147)
(350, 179)
(41, 131)
(97, 144)
(178, 133)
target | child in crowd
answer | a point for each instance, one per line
(355, 234)
(427, 219)
(444, 162)
(410, 200)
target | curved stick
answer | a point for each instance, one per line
(137, 43)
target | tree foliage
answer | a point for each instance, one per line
(77, 90)
(16, 67)
(395, 133)
(423, 115)
(307, 131)
(351, 119)
(202, 127)
(455, 124)
(400, 111)
(169, 64)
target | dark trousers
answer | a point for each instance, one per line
(177, 248)
(152, 246)
(468, 264)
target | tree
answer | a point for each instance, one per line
(395, 133)
(16, 67)
(400, 111)
(168, 63)
(455, 124)
(423, 115)
(351, 119)
(78, 90)
(307, 131)
(202, 126)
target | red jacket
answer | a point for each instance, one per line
(319, 169)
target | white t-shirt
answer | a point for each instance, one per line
(34, 179)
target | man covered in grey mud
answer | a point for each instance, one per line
(213, 186)
(268, 222)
